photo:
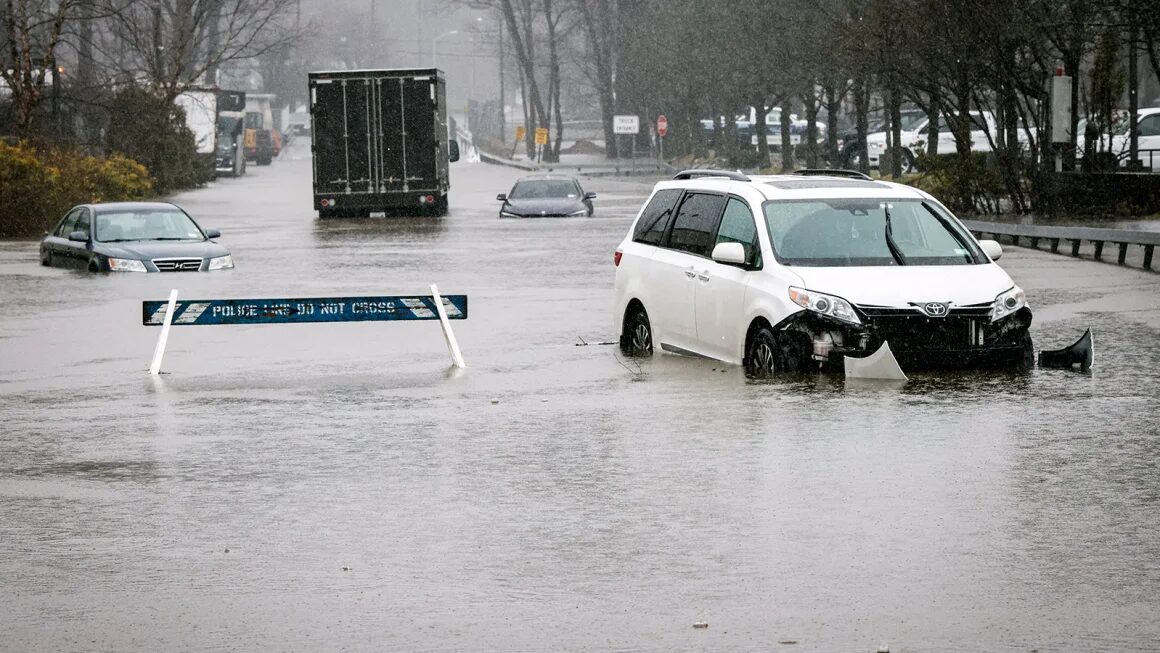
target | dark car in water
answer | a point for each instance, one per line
(133, 237)
(543, 196)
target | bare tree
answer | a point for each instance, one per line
(32, 30)
(172, 44)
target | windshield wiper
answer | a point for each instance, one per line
(169, 238)
(120, 240)
(893, 246)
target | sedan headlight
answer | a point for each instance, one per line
(576, 214)
(876, 145)
(505, 214)
(126, 265)
(827, 305)
(1007, 303)
(221, 263)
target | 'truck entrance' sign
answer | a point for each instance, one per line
(300, 310)
(292, 311)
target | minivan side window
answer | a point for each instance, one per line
(737, 226)
(696, 222)
(655, 218)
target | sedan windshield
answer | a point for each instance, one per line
(161, 224)
(865, 232)
(545, 188)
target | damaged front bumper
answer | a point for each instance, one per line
(965, 338)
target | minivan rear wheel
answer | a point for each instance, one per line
(636, 338)
(763, 357)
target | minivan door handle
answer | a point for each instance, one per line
(691, 273)
(703, 276)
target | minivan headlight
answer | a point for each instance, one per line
(126, 265)
(827, 305)
(1007, 303)
(221, 263)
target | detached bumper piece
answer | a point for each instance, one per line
(1079, 356)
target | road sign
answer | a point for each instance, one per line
(662, 125)
(541, 135)
(625, 124)
(292, 311)
(521, 131)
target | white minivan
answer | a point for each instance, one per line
(794, 272)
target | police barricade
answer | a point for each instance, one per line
(300, 310)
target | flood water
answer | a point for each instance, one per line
(340, 487)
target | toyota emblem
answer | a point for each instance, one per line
(935, 309)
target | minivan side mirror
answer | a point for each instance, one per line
(453, 151)
(992, 249)
(213, 233)
(501, 197)
(79, 236)
(729, 253)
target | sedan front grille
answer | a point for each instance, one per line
(177, 264)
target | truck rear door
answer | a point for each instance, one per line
(405, 118)
(343, 136)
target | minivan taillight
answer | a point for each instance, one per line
(616, 257)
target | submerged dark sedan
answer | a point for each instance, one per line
(133, 237)
(544, 196)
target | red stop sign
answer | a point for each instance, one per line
(662, 125)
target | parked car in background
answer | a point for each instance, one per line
(916, 133)
(546, 196)
(1148, 140)
(796, 272)
(133, 237)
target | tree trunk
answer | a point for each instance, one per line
(787, 153)
(862, 126)
(811, 102)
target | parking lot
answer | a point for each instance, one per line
(342, 487)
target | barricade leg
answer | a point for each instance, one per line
(159, 350)
(448, 334)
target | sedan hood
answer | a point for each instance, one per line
(535, 207)
(151, 249)
(898, 286)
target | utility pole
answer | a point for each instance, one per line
(1133, 91)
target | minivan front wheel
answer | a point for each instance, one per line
(763, 356)
(636, 337)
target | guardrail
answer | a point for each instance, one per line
(1076, 236)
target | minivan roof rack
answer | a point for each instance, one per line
(835, 172)
(689, 174)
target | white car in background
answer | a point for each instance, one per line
(916, 132)
(794, 272)
(1148, 141)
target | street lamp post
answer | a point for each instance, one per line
(434, 41)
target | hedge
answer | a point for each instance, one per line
(38, 186)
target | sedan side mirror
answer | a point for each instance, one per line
(79, 236)
(729, 253)
(453, 151)
(213, 233)
(992, 249)
(501, 197)
(589, 195)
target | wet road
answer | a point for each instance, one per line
(337, 487)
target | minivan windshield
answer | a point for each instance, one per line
(867, 232)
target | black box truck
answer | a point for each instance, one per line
(380, 142)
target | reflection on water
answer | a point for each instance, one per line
(401, 229)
